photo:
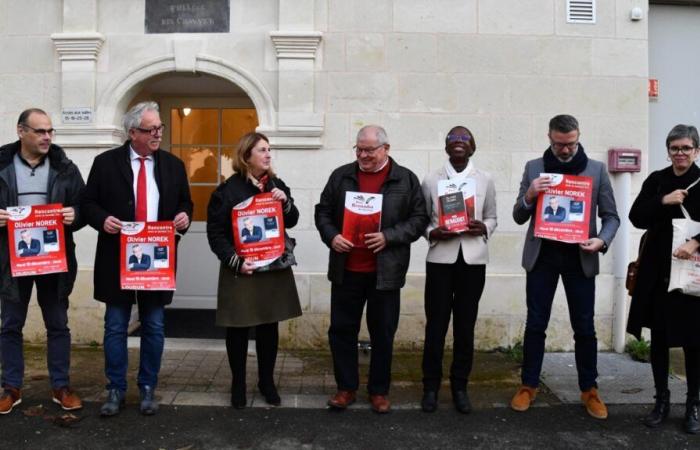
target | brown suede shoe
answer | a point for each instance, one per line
(380, 404)
(68, 399)
(10, 398)
(342, 399)
(523, 398)
(594, 405)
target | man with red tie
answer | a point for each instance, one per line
(135, 182)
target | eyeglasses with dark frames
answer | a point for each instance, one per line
(559, 146)
(152, 131)
(686, 150)
(40, 131)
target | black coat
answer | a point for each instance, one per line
(404, 219)
(652, 306)
(66, 187)
(110, 192)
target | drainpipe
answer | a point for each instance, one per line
(621, 258)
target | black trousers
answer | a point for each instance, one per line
(347, 303)
(451, 290)
(266, 343)
(660, 364)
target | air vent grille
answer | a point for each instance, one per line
(580, 11)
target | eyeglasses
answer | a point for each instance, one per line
(40, 131)
(458, 137)
(152, 131)
(686, 150)
(367, 151)
(560, 146)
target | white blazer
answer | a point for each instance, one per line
(474, 248)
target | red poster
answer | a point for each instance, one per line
(147, 256)
(363, 215)
(563, 210)
(36, 240)
(258, 229)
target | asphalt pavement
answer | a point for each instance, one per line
(178, 427)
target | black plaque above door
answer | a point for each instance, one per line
(182, 16)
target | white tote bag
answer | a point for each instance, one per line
(685, 273)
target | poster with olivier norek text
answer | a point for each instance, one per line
(36, 240)
(563, 210)
(147, 256)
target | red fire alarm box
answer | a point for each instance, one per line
(624, 160)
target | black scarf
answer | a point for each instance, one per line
(577, 164)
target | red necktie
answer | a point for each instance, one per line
(142, 193)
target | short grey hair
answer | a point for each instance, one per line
(133, 117)
(379, 132)
(682, 131)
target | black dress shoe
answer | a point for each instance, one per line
(461, 401)
(692, 424)
(238, 398)
(661, 409)
(429, 402)
(271, 395)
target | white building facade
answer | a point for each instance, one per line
(310, 73)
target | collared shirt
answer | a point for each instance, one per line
(153, 195)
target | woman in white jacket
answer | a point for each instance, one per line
(455, 270)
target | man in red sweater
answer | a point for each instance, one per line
(372, 271)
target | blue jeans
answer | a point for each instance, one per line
(115, 344)
(555, 260)
(55, 313)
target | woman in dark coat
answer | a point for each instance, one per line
(246, 297)
(671, 316)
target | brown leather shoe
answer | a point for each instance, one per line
(342, 399)
(9, 398)
(594, 405)
(67, 399)
(523, 398)
(380, 404)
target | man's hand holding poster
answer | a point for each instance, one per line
(147, 256)
(362, 215)
(457, 203)
(258, 229)
(563, 210)
(36, 240)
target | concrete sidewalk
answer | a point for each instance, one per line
(196, 373)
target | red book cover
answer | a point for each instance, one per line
(36, 240)
(456, 201)
(258, 229)
(147, 256)
(363, 215)
(563, 211)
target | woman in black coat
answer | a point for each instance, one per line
(671, 316)
(248, 297)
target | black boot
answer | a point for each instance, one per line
(238, 398)
(661, 409)
(461, 400)
(692, 424)
(429, 402)
(269, 391)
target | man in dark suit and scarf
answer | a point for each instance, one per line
(577, 264)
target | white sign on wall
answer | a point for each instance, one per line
(76, 115)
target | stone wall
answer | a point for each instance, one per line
(500, 67)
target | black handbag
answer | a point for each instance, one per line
(633, 267)
(286, 260)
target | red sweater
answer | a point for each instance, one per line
(363, 259)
